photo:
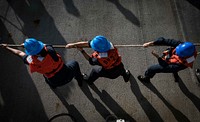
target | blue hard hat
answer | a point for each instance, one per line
(185, 49)
(100, 44)
(33, 46)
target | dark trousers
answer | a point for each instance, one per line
(171, 68)
(108, 73)
(65, 75)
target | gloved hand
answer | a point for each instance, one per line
(3, 45)
(148, 44)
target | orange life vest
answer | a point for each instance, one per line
(45, 65)
(170, 57)
(109, 59)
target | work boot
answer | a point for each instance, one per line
(80, 81)
(126, 75)
(144, 79)
(197, 72)
(85, 78)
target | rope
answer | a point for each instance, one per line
(63, 46)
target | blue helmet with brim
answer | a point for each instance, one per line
(185, 49)
(100, 44)
(33, 46)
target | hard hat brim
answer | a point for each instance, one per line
(106, 48)
(36, 51)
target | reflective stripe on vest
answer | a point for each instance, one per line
(108, 60)
(45, 65)
(170, 57)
